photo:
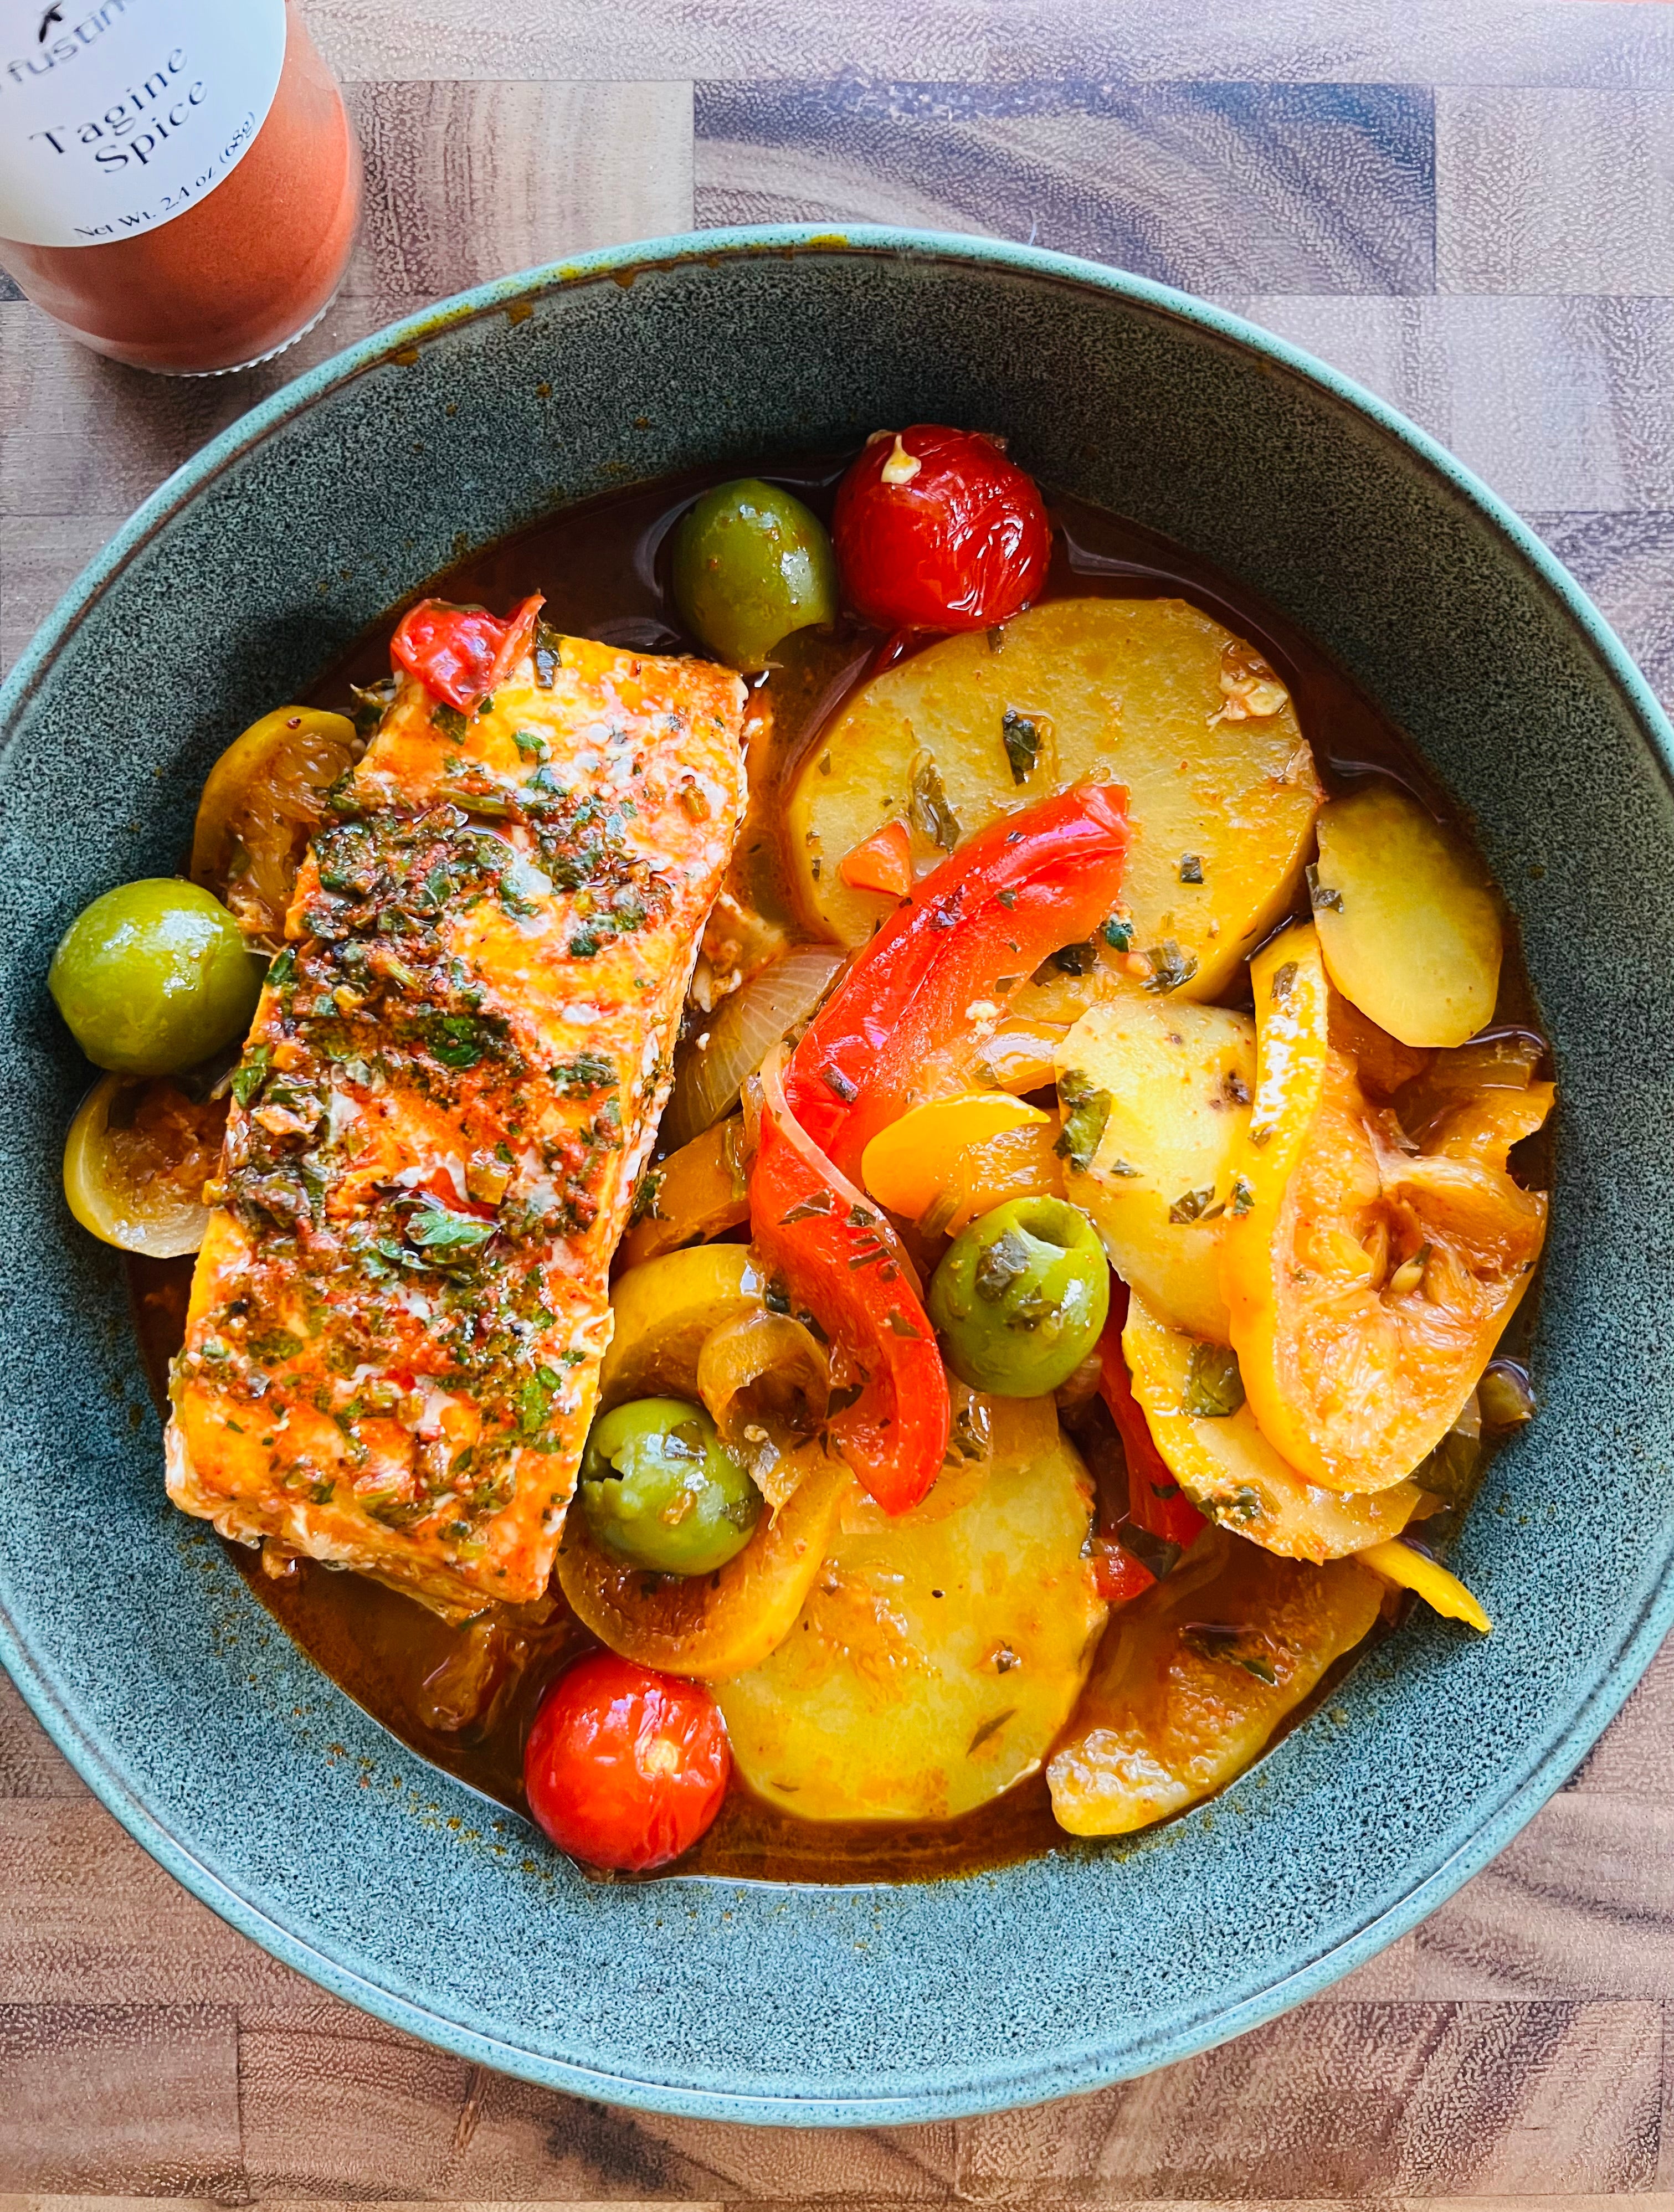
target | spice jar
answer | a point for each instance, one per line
(179, 185)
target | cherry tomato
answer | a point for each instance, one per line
(935, 529)
(459, 654)
(626, 1768)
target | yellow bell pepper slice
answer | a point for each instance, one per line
(910, 1165)
(1443, 1593)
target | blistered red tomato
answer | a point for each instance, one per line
(935, 529)
(626, 1768)
(459, 654)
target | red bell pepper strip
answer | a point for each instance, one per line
(459, 654)
(1155, 1501)
(840, 1258)
(1020, 890)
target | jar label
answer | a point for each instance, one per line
(117, 115)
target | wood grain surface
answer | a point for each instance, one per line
(1469, 205)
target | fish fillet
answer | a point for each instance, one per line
(451, 1084)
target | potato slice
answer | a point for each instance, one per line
(1149, 693)
(1224, 1463)
(1196, 1674)
(936, 1658)
(1178, 1079)
(1368, 1282)
(1409, 928)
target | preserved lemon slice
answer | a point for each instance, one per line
(1195, 1676)
(715, 1624)
(263, 799)
(1367, 1281)
(1193, 1400)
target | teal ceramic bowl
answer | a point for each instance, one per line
(280, 1804)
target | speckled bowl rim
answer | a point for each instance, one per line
(1075, 2067)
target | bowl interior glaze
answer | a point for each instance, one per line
(248, 1774)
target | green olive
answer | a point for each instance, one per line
(1020, 1297)
(153, 977)
(660, 1490)
(751, 564)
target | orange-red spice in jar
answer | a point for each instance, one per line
(178, 182)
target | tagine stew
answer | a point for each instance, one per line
(830, 1173)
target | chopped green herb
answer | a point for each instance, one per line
(1214, 1386)
(1192, 868)
(1282, 979)
(1003, 1262)
(371, 700)
(1243, 1197)
(1074, 959)
(646, 1191)
(535, 1400)
(1170, 967)
(1021, 738)
(251, 1073)
(821, 1202)
(1208, 1640)
(448, 719)
(1321, 898)
(932, 816)
(441, 1233)
(1118, 932)
(458, 1041)
(532, 745)
(1086, 1111)
(1195, 1205)
(589, 1074)
(274, 1346)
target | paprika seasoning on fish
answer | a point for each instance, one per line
(179, 185)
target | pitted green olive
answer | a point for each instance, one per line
(751, 564)
(661, 1491)
(1020, 1298)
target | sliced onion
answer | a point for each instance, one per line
(743, 1030)
(139, 1187)
(766, 1383)
(777, 1106)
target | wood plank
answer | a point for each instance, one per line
(1217, 187)
(1132, 41)
(86, 1915)
(1524, 203)
(1483, 2100)
(324, 2109)
(31, 1764)
(128, 2097)
(1562, 404)
(465, 182)
(1578, 1906)
(1625, 562)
